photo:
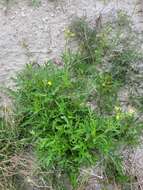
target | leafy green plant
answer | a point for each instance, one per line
(93, 44)
(53, 110)
(67, 134)
(106, 93)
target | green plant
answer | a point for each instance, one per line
(106, 93)
(53, 110)
(36, 2)
(67, 134)
(92, 43)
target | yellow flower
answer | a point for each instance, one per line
(69, 34)
(117, 108)
(72, 34)
(49, 83)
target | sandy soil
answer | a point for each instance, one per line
(37, 33)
